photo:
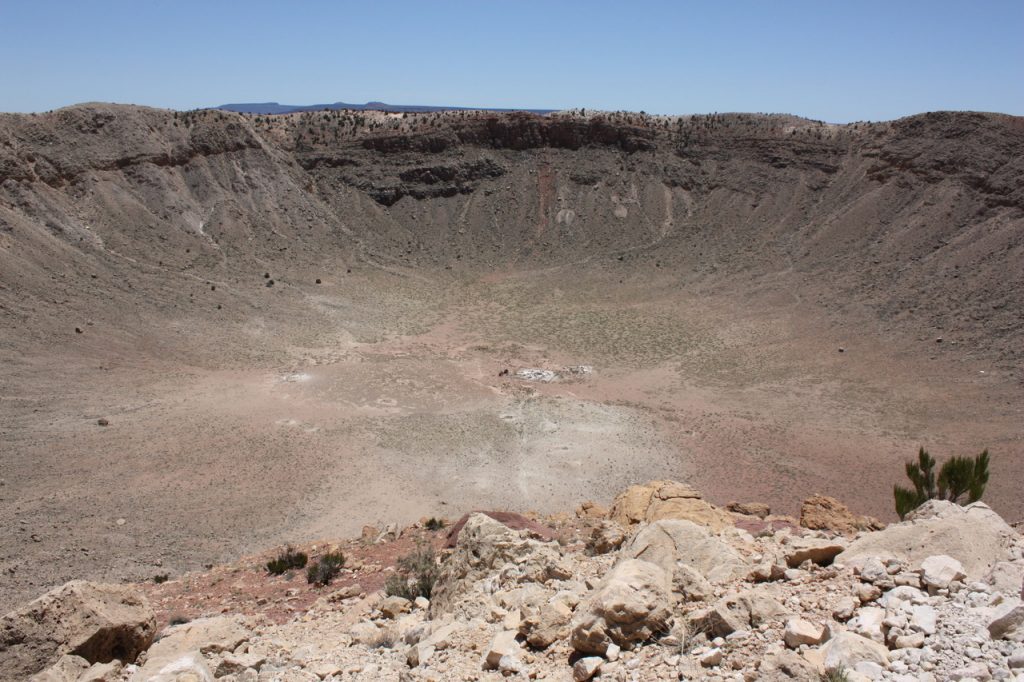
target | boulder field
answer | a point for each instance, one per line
(663, 585)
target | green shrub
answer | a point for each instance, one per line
(434, 523)
(416, 574)
(161, 578)
(324, 571)
(959, 476)
(286, 561)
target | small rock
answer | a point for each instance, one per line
(914, 641)
(1008, 622)
(868, 593)
(103, 422)
(749, 509)
(847, 649)
(873, 571)
(816, 550)
(586, 668)
(503, 644)
(510, 665)
(102, 672)
(939, 571)
(324, 669)
(712, 658)
(976, 671)
(394, 606)
(232, 664)
(799, 631)
(845, 609)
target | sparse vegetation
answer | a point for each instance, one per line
(837, 674)
(325, 569)
(161, 578)
(415, 575)
(433, 524)
(287, 560)
(958, 477)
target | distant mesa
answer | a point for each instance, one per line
(275, 108)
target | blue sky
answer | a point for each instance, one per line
(831, 60)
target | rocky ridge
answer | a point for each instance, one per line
(894, 215)
(618, 595)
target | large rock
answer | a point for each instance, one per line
(546, 623)
(787, 665)
(606, 537)
(659, 500)
(68, 668)
(735, 612)
(816, 550)
(1007, 578)
(846, 650)
(485, 546)
(201, 636)
(819, 512)
(632, 603)
(749, 509)
(799, 631)
(671, 542)
(439, 638)
(939, 571)
(98, 623)
(1008, 622)
(504, 644)
(188, 667)
(973, 535)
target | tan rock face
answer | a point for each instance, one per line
(98, 623)
(660, 500)
(820, 512)
(671, 542)
(632, 603)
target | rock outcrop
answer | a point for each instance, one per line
(96, 623)
(660, 500)
(632, 604)
(820, 512)
(485, 547)
(669, 543)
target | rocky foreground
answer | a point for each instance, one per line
(663, 586)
